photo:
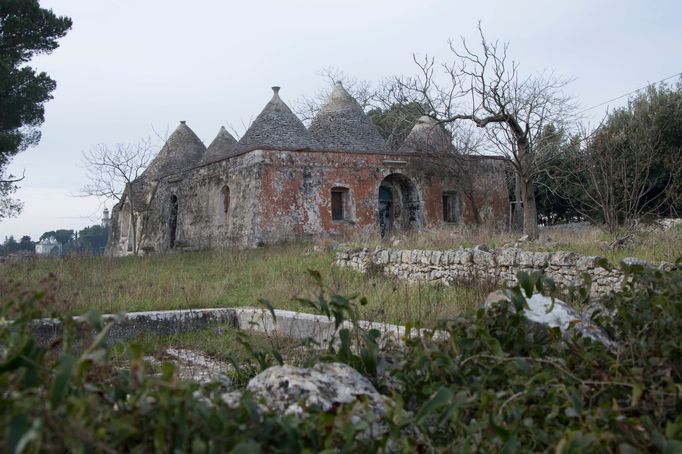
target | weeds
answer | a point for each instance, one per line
(228, 278)
(651, 244)
(496, 384)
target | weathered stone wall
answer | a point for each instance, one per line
(498, 267)
(201, 220)
(296, 192)
(286, 195)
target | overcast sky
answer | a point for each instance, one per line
(129, 67)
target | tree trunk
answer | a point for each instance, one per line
(530, 212)
(133, 221)
(517, 210)
(474, 207)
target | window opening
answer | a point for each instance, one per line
(449, 207)
(226, 199)
(173, 219)
(338, 196)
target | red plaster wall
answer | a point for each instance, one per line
(296, 191)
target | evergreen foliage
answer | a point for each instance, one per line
(497, 384)
(26, 30)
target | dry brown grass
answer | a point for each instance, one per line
(654, 245)
(280, 274)
(227, 278)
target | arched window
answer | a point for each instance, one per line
(226, 199)
(340, 204)
(173, 220)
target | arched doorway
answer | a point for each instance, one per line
(400, 208)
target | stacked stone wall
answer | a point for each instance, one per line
(498, 267)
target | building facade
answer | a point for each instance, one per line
(284, 182)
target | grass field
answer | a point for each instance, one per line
(227, 279)
(280, 274)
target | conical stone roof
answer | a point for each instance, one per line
(427, 136)
(276, 128)
(222, 146)
(182, 150)
(341, 125)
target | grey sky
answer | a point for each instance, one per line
(129, 66)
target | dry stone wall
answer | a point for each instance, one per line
(498, 267)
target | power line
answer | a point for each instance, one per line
(628, 93)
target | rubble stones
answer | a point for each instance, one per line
(498, 267)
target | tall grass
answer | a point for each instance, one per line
(227, 279)
(651, 244)
(279, 274)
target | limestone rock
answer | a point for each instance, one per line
(195, 366)
(561, 315)
(506, 257)
(563, 258)
(293, 390)
(288, 389)
(631, 261)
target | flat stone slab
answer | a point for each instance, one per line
(133, 324)
(289, 324)
(319, 328)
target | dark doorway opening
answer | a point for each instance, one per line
(400, 208)
(385, 209)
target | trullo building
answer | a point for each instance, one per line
(282, 181)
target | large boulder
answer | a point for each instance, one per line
(325, 387)
(288, 389)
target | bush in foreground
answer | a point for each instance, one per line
(498, 383)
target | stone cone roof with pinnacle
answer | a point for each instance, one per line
(342, 125)
(276, 128)
(222, 147)
(182, 150)
(427, 136)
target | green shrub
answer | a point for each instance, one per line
(497, 384)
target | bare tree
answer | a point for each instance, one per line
(111, 171)
(456, 150)
(615, 171)
(484, 87)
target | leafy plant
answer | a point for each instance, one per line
(495, 383)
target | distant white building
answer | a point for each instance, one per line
(105, 218)
(49, 247)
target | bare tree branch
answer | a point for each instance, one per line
(484, 87)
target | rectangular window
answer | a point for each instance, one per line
(337, 205)
(450, 209)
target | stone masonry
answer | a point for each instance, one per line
(498, 267)
(284, 182)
